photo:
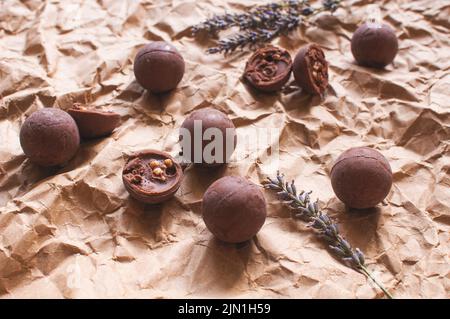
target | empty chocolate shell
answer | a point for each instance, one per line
(93, 123)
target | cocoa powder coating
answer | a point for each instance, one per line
(361, 177)
(92, 123)
(49, 137)
(374, 45)
(152, 176)
(234, 209)
(208, 118)
(268, 69)
(159, 67)
(311, 69)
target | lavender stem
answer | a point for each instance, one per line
(322, 223)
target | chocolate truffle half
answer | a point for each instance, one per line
(234, 209)
(93, 123)
(311, 69)
(361, 177)
(152, 176)
(374, 45)
(49, 137)
(268, 69)
(208, 137)
(158, 67)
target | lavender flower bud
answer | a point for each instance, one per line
(345, 244)
(360, 256)
(337, 251)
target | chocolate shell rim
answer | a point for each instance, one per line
(92, 112)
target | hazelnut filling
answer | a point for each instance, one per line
(139, 171)
(268, 65)
(318, 68)
(135, 172)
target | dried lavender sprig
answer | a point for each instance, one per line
(320, 221)
(252, 38)
(261, 24)
(262, 16)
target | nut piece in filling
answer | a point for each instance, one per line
(361, 177)
(311, 69)
(152, 176)
(268, 69)
(93, 123)
(234, 209)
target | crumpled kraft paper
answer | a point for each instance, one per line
(74, 231)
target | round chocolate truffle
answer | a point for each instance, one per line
(361, 177)
(311, 69)
(208, 137)
(158, 67)
(234, 209)
(93, 123)
(268, 69)
(49, 137)
(374, 45)
(152, 176)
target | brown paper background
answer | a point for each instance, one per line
(74, 232)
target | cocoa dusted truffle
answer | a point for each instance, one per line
(234, 209)
(311, 69)
(49, 137)
(374, 45)
(361, 177)
(152, 176)
(208, 137)
(268, 69)
(93, 123)
(159, 67)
